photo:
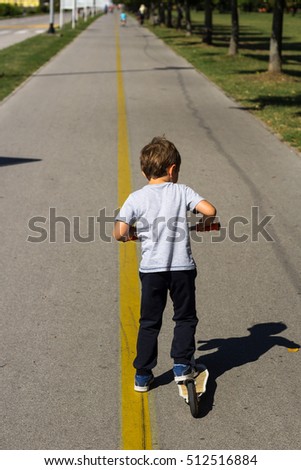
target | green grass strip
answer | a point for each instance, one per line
(20, 61)
(273, 98)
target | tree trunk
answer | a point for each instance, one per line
(187, 18)
(208, 23)
(161, 13)
(234, 41)
(179, 17)
(169, 16)
(275, 61)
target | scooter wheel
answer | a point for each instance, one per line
(193, 399)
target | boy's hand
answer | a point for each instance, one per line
(132, 234)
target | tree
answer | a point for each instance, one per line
(169, 14)
(161, 13)
(275, 61)
(208, 23)
(179, 16)
(187, 17)
(234, 40)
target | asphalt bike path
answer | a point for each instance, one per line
(70, 141)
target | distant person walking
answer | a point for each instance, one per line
(142, 11)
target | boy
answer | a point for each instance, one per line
(159, 212)
(123, 18)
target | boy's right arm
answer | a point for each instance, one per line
(123, 232)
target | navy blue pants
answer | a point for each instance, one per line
(155, 287)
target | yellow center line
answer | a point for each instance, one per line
(25, 26)
(135, 417)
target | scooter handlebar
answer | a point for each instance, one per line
(200, 227)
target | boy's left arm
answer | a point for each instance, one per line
(208, 222)
(208, 210)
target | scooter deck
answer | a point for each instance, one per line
(200, 383)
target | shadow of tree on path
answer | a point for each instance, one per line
(262, 102)
(7, 161)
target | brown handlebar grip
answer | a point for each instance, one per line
(214, 226)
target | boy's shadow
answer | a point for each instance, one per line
(235, 352)
(231, 353)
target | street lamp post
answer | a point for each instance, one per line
(51, 29)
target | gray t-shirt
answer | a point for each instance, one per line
(159, 212)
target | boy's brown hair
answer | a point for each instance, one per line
(157, 156)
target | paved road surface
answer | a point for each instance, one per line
(16, 30)
(59, 356)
